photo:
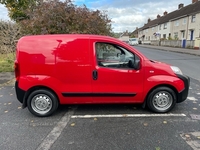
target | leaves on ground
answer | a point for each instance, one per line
(145, 124)
(73, 124)
(165, 122)
(158, 148)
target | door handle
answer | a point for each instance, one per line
(95, 74)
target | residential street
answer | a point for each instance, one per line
(107, 127)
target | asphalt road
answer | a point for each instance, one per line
(189, 64)
(106, 127)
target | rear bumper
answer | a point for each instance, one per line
(19, 92)
(182, 96)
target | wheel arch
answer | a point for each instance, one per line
(157, 86)
(37, 88)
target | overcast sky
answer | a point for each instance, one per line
(125, 14)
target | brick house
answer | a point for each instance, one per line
(180, 24)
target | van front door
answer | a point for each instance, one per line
(114, 81)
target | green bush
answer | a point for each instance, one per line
(9, 34)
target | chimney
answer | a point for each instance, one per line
(149, 20)
(194, 1)
(180, 6)
(158, 16)
(165, 13)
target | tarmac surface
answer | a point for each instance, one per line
(8, 78)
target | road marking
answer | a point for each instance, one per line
(127, 115)
(55, 133)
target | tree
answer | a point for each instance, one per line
(17, 8)
(64, 17)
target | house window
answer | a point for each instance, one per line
(160, 27)
(193, 18)
(175, 35)
(184, 20)
(165, 26)
(176, 23)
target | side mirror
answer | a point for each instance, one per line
(134, 64)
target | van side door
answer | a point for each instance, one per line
(114, 79)
(74, 71)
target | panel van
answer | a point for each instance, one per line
(53, 70)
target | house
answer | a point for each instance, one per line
(124, 36)
(177, 25)
(134, 34)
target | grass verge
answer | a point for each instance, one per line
(7, 62)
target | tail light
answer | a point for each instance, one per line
(16, 67)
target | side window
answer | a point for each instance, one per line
(113, 56)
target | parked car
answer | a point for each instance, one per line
(52, 70)
(133, 41)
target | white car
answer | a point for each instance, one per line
(133, 41)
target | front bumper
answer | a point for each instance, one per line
(182, 96)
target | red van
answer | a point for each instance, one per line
(91, 69)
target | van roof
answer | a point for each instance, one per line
(70, 35)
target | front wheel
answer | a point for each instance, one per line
(42, 103)
(161, 100)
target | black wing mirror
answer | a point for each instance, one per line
(134, 64)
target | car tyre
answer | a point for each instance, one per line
(42, 103)
(161, 100)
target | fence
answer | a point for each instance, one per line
(173, 43)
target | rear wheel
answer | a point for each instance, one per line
(42, 103)
(161, 100)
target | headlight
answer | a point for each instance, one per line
(176, 70)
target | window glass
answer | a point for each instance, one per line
(176, 23)
(165, 26)
(160, 27)
(113, 56)
(184, 21)
(193, 18)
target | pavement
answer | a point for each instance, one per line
(8, 78)
(173, 49)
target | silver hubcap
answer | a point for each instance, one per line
(41, 103)
(162, 100)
